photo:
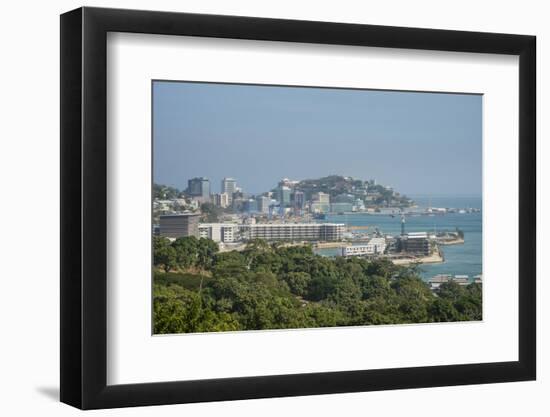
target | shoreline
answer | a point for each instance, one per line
(458, 241)
(435, 257)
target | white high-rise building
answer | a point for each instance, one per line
(263, 203)
(320, 202)
(229, 186)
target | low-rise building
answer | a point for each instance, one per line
(462, 280)
(416, 243)
(341, 207)
(436, 281)
(293, 231)
(179, 225)
(219, 232)
(377, 245)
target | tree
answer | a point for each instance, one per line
(320, 287)
(450, 291)
(297, 282)
(164, 192)
(186, 251)
(164, 254)
(206, 250)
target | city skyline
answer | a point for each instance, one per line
(260, 134)
(217, 189)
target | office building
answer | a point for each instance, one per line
(250, 206)
(263, 204)
(320, 203)
(283, 195)
(221, 200)
(179, 225)
(199, 187)
(229, 187)
(299, 200)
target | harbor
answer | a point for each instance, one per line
(458, 256)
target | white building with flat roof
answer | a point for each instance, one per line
(293, 231)
(219, 232)
(376, 245)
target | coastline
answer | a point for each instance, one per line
(435, 257)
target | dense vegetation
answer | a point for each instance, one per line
(335, 185)
(198, 289)
(165, 192)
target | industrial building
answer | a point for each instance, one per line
(293, 231)
(179, 225)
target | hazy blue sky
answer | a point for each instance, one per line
(419, 143)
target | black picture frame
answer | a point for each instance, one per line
(84, 207)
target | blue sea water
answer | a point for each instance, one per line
(463, 259)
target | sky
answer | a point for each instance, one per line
(418, 143)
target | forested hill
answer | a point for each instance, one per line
(337, 185)
(333, 185)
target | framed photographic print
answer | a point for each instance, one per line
(258, 207)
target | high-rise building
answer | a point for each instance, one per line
(229, 187)
(320, 203)
(250, 205)
(179, 225)
(263, 203)
(199, 187)
(283, 195)
(221, 200)
(299, 200)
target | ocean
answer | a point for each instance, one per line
(465, 259)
